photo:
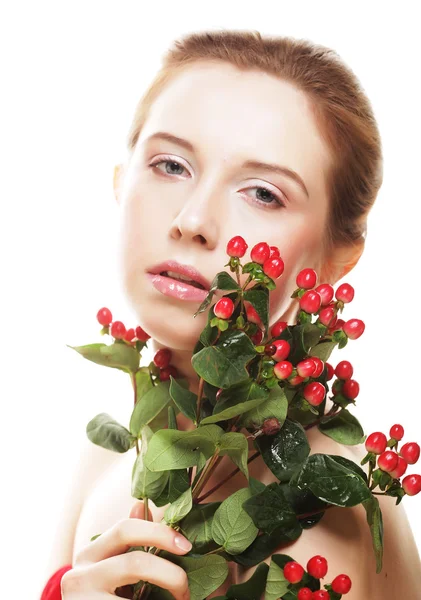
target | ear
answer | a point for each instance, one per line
(117, 179)
(340, 261)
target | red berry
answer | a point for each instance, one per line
(283, 369)
(310, 301)
(257, 337)
(293, 572)
(141, 334)
(400, 469)
(321, 595)
(410, 452)
(320, 365)
(118, 330)
(278, 328)
(376, 442)
(274, 251)
(164, 374)
(396, 432)
(282, 350)
(344, 370)
(224, 308)
(412, 484)
(354, 328)
(337, 326)
(273, 267)
(345, 293)
(129, 335)
(314, 393)
(237, 246)
(326, 292)
(330, 371)
(306, 279)
(162, 358)
(341, 584)
(306, 367)
(317, 567)
(327, 316)
(260, 252)
(271, 426)
(252, 314)
(351, 389)
(296, 380)
(387, 461)
(104, 316)
(305, 594)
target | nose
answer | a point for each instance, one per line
(198, 220)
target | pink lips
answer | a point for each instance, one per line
(175, 288)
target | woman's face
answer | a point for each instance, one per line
(189, 210)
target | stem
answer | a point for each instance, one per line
(314, 512)
(227, 478)
(146, 515)
(333, 411)
(237, 272)
(214, 551)
(206, 473)
(199, 399)
(370, 471)
(379, 493)
(133, 378)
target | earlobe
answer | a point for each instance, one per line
(341, 261)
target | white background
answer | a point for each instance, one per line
(72, 73)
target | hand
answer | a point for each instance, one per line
(104, 564)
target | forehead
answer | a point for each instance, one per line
(235, 114)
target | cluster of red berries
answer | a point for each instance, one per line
(316, 567)
(118, 330)
(261, 253)
(393, 462)
(319, 300)
(162, 360)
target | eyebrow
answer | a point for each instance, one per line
(248, 164)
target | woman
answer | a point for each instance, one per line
(222, 103)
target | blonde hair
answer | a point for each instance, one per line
(341, 109)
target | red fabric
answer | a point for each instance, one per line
(52, 590)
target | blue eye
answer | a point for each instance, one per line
(275, 200)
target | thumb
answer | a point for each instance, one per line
(138, 511)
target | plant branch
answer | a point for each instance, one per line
(133, 378)
(333, 411)
(206, 473)
(199, 399)
(227, 478)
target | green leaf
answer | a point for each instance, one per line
(251, 589)
(270, 509)
(184, 399)
(292, 590)
(106, 432)
(236, 447)
(304, 501)
(343, 428)
(284, 452)
(276, 585)
(117, 355)
(180, 508)
(197, 525)
(237, 400)
(232, 527)
(276, 405)
(143, 381)
(331, 481)
(205, 573)
(304, 337)
(323, 350)
(145, 483)
(350, 464)
(259, 298)
(149, 406)
(222, 281)
(224, 364)
(264, 545)
(171, 449)
(256, 486)
(375, 522)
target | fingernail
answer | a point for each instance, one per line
(182, 543)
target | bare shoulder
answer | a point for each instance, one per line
(344, 537)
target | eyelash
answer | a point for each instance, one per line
(278, 199)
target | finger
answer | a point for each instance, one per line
(132, 532)
(138, 511)
(126, 569)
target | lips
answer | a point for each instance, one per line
(183, 270)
